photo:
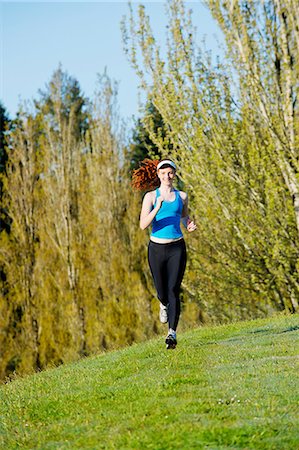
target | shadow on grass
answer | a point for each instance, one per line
(241, 338)
(220, 342)
(263, 330)
(293, 328)
(272, 331)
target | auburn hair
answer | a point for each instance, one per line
(145, 177)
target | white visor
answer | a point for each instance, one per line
(165, 162)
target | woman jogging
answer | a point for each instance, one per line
(163, 208)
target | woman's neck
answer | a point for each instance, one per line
(166, 189)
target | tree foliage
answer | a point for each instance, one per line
(144, 139)
(74, 275)
(74, 258)
(233, 129)
(4, 121)
(4, 127)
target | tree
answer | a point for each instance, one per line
(62, 101)
(247, 248)
(19, 246)
(75, 282)
(263, 43)
(43, 320)
(4, 126)
(144, 141)
(4, 121)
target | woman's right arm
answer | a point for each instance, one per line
(147, 213)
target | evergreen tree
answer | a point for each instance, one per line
(144, 143)
(4, 127)
(5, 221)
(4, 122)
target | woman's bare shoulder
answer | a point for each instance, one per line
(183, 195)
(150, 196)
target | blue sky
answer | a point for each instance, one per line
(84, 37)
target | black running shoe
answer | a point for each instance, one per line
(171, 342)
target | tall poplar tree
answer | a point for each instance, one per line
(74, 261)
(244, 260)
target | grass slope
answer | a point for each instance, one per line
(226, 387)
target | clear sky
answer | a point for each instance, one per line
(84, 37)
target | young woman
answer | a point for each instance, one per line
(164, 208)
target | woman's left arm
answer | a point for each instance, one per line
(187, 222)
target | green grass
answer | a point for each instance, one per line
(226, 387)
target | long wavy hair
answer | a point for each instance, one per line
(145, 177)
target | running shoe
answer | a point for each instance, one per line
(163, 313)
(171, 342)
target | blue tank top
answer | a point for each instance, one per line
(166, 224)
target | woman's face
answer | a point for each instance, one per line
(166, 175)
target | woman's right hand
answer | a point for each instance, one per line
(159, 202)
(147, 212)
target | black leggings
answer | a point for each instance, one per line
(167, 263)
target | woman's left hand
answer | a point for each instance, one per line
(191, 226)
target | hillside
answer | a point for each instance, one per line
(225, 387)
